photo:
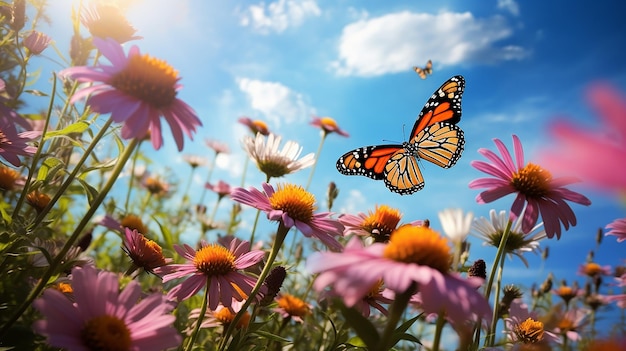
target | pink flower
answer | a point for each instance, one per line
(137, 90)
(145, 253)
(218, 147)
(255, 126)
(414, 255)
(592, 155)
(536, 191)
(220, 266)
(36, 42)
(618, 228)
(523, 326)
(104, 318)
(14, 144)
(221, 188)
(294, 207)
(107, 21)
(328, 125)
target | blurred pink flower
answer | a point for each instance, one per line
(414, 255)
(106, 20)
(536, 191)
(14, 144)
(255, 126)
(137, 90)
(328, 126)
(221, 188)
(294, 207)
(593, 154)
(618, 228)
(523, 326)
(103, 318)
(36, 42)
(220, 266)
(218, 147)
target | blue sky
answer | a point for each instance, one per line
(283, 61)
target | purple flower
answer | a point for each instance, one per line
(618, 228)
(36, 42)
(137, 90)
(536, 191)
(14, 144)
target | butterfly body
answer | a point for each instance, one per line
(423, 72)
(435, 138)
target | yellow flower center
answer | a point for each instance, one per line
(111, 23)
(592, 269)
(147, 254)
(532, 181)
(133, 222)
(147, 79)
(375, 290)
(259, 126)
(382, 222)
(214, 260)
(566, 292)
(106, 333)
(566, 324)
(8, 177)
(156, 186)
(420, 245)
(298, 203)
(529, 331)
(328, 123)
(64, 288)
(293, 305)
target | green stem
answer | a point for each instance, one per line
(56, 262)
(496, 304)
(208, 179)
(196, 329)
(131, 180)
(281, 233)
(441, 321)
(317, 155)
(395, 313)
(72, 175)
(245, 169)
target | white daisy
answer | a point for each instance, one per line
(273, 162)
(455, 224)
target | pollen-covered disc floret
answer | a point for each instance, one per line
(420, 245)
(532, 180)
(295, 201)
(214, 260)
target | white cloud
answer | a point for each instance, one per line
(397, 41)
(354, 202)
(509, 5)
(275, 101)
(279, 15)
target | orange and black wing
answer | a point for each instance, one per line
(402, 173)
(441, 143)
(443, 106)
(423, 72)
(369, 161)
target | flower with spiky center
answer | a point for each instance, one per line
(292, 307)
(100, 317)
(221, 266)
(617, 228)
(328, 126)
(217, 147)
(145, 253)
(294, 207)
(592, 269)
(136, 90)
(524, 327)
(221, 316)
(107, 21)
(414, 255)
(155, 186)
(14, 144)
(36, 42)
(256, 126)
(38, 200)
(8, 178)
(378, 223)
(567, 293)
(275, 163)
(195, 161)
(491, 231)
(570, 323)
(537, 192)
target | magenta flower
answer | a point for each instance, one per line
(294, 207)
(137, 90)
(414, 255)
(36, 42)
(220, 266)
(255, 126)
(14, 144)
(102, 318)
(523, 326)
(328, 125)
(592, 155)
(536, 191)
(618, 228)
(218, 147)
(221, 188)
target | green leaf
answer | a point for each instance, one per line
(362, 326)
(92, 192)
(77, 127)
(49, 168)
(35, 92)
(167, 234)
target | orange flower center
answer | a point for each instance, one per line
(106, 333)
(37, 200)
(382, 222)
(259, 126)
(133, 222)
(298, 203)
(592, 269)
(225, 316)
(566, 324)
(566, 292)
(147, 254)
(328, 123)
(375, 290)
(64, 288)
(156, 186)
(214, 259)
(529, 331)
(420, 245)
(111, 23)
(293, 305)
(148, 79)
(532, 181)
(8, 177)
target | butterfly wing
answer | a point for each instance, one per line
(443, 106)
(369, 161)
(441, 143)
(402, 173)
(429, 67)
(423, 72)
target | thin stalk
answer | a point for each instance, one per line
(56, 262)
(395, 313)
(441, 322)
(196, 329)
(131, 180)
(317, 155)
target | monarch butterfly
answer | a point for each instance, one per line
(423, 72)
(435, 137)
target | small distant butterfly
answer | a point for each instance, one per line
(435, 138)
(423, 72)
